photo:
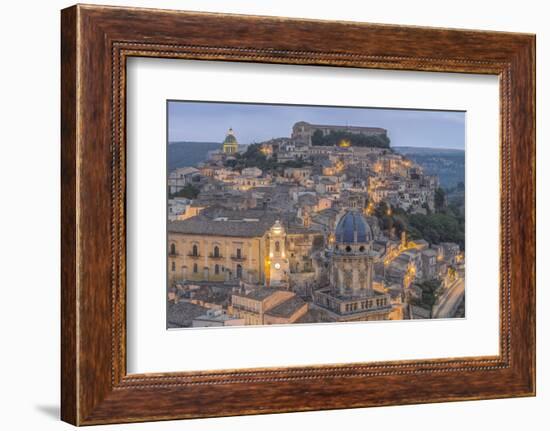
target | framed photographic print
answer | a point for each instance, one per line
(322, 214)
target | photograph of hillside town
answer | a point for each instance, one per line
(280, 214)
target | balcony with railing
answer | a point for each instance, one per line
(238, 257)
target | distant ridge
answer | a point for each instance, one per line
(188, 153)
(419, 150)
(447, 163)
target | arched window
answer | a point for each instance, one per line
(216, 251)
(277, 247)
(239, 255)
(172, 248)
(216, 269)
(195, 268)
(173, 266)
(195, 250)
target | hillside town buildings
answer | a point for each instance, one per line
(298, 240)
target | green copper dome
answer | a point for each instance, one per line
(230, 137)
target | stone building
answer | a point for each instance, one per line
(181, 177)
(429, 263)
(213, 318)
(351, 295)
(303, 131)
(303, 246)
(405, 268)
(298, 174)
(255, 246)
(267, 306)
(210, 247)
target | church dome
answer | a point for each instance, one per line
(230, 137)
(353, 228)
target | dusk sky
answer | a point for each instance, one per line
(200, 121)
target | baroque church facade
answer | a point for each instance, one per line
(350, 295)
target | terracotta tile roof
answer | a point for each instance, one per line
(287, 308)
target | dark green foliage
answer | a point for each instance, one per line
(455, 199)
(385, 220)
(381, 210)
(189, 191)
(446, 226)
(357, 140)
(436, 228)
(399, 225)
(439, 199)
(430, 293)
(253, 157)
(294, 164)
(317, 138)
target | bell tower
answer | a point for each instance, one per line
(278, 261)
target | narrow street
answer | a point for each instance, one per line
(448, 306)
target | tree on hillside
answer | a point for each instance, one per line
(189, 191)
(439, 199)
(317, 138)
(436, 228)
(430, 292)
(356, 139)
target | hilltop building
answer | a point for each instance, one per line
(302, 132)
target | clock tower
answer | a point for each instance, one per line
(278, 261)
